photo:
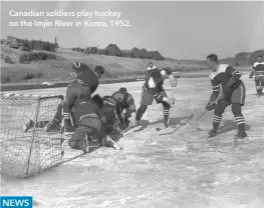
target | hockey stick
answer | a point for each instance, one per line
(112, 143)
(202, 114)
(177, 128)
(126, 129)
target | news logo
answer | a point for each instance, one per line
(16, 201)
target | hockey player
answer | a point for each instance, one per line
(95, 121)
(82, 87)
(228, 89)
(258, 71)
(86, 82)
(109, 110)
(125, 107)
(151, 66)
(88, 123)
(153, 89)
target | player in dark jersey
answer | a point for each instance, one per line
(109, 108)
(228, 89)
(258, 71)
(95, 120)
(82, 87)
(153, 89)
(125, 107)
(88, 123)
(57, 119)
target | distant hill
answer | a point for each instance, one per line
(229, 61)
(59, 66)
(243, 58)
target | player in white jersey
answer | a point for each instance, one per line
(258, 72)
(227, 89)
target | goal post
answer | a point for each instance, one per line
(26, 153)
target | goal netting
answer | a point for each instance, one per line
(24, 154)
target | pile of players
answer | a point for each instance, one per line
(92, 117)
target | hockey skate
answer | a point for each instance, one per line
(28, 125)
(212, 133)
(259, 92)
(51, 126)
(241, 134)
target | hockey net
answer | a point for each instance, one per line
(24, 154)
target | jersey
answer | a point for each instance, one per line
(148, 72)
(258, 69)
(109, 109)
(224, 79)
(86, 108)
(88, 78)
(80, 89)
(154, 82)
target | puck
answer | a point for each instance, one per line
(158, 129)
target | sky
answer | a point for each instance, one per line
(180, 30)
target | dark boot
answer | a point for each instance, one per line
(28, 125)
(241, 134)
(53, 124)
(259, 91)
(212, 133)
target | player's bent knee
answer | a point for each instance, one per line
(166, 106)
(220, 108)
(143, 107)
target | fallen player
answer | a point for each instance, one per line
(88, 123)
(95, 122)
(110, 125)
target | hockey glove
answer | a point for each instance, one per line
(210, 106)
(170, 101)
